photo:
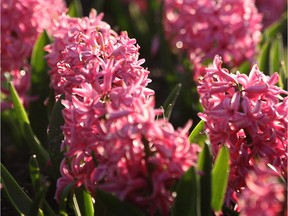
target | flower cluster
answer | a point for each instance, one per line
(20, 27)
(67, 32)
(248, 114)
(271, 11)
(264, 194)
(112, 140)
(203, 29)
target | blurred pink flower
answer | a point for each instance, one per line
(112, 140)
(20, 26)
(264, 194)
(203, 29)
(21, 23)
(271, 10)
(249, 115)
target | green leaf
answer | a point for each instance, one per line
(276, 55)
(9, 121)
(136, 14)
(38, 201)
(115, 206)
(204, 168)
(277, 59)
(64, 198)
(198, 135)
(171, 100)
(186, 201)
(40, 188)
(245, 67)
(263, 58)
(283, 73)
(18, 198)
(39, 87)
(20, 111)
(38, 62)
(55, 136)
(220, 175)
(34, 172)
(26, 129)
(279, 26)
(75, 9)
(83, 202)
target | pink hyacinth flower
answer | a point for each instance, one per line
(202, 29)
(20, 27)
(264, 194)
(111, 138)
(249, 115)
(68, 31)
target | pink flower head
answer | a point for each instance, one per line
(147, 157)
(126, 153)
(20, 27)
(202, 29)
(112, 141)
(264, 194)
(271, 11)
(249, 115)
(89, 36)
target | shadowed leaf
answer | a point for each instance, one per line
(55, 136)
(204, 169)
(26, 129)
(171, 100)
(83, 202)
(115, 206)
(18, 198)
(186, 201)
